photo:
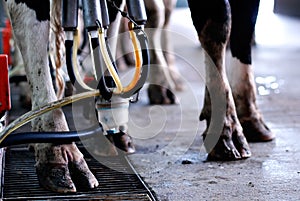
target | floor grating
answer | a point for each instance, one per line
(118, 180)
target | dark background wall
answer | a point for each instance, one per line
(287, 7)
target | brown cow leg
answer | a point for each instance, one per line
(244, 93)
(167, 46)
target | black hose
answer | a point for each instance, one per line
(17, 79)
(69, 64)
(51, 137)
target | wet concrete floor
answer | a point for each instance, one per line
(170, 155)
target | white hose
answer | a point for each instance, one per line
(75, 66)
(108, 63)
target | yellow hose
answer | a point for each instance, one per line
(108, 63)
(25, 118)
(138, 63)
(111, 68)
(75, 66)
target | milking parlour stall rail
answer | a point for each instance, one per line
(117, 178)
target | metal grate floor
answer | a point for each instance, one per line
(20, 182)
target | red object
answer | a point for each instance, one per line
(6, 36)
(5, 104)
(88, 79)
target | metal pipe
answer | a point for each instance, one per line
(69, 15)
(91, 13)
(137, 11)
(104, 14)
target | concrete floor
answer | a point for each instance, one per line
(170, 155)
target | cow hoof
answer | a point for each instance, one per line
(123, 141)
(55, 177)
(82, 176)
(228, 148)
(256, 130)
(59, 167)
(159, 95)
(111, 144)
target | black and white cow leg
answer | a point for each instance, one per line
(223, 138)
(244, 17)
(244, 92)
(30, 22)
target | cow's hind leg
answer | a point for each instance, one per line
(223, 138)
(56, 165)
(167, 46)
(242, 78)
(160, 79)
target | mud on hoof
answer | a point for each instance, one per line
(227, 148)
(256, 130)
(111, 144)
(59, 166)
(82, 176)
(231, 143)
(59, 177)
(160, 95)
(55, 177)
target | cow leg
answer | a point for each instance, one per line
(242, 78)
(54, 163)
(161, 83)
(223, 138)
(168, 47)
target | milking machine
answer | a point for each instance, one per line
(111, 97)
